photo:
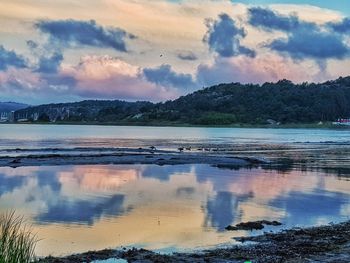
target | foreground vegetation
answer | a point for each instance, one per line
(17, 242)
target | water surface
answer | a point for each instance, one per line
(165, 208)
(172, 208)
(65, 136)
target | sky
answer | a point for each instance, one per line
(157, 50)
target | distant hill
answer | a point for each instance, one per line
(11, 106)
(83, 111)
(223, 104)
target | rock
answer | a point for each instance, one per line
(231, 228)
(253, 225)
(250, 226)
(271, 223)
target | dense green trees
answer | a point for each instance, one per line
(282, 101)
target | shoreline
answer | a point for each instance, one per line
(329, 126)
(328, 243)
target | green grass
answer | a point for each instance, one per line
(17, 242)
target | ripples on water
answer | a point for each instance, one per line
(301, 148)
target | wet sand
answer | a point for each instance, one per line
(329, 243)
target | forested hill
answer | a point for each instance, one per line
(11, 106)
(282, 101)
(223, 104)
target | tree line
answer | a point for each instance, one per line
(222, 104)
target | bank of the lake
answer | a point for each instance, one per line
(325, 125)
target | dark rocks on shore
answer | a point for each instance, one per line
(254, 225)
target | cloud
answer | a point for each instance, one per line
(342, 26)
(100, 77)
(235, 47)
(26, 85)
(304, 39)
(165, 76)
(263, 68)
(268, 20)
(316, 44)
(110, 77)
(18, 81)
(59, 82)
(10, 58)
(50, 64)
(187, 55)
(223, 37)
(48, 58)
(71, 33)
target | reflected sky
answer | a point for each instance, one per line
(79, 208)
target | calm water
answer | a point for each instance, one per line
(67, 136)
(167, 208)
(171, 208)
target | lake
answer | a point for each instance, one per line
(62, 136)
(171, 208)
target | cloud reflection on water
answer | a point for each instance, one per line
(165, 206)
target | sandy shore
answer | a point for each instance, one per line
(329, 243)
(127, 156)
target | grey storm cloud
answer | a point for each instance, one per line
(304, 39)
(71, 32)
(342, 26)
(49, 58)
(269, 20)
(187, 55)
(223, 37)
(50, 64)
(10, 58)
(164, 75)
(311, 44)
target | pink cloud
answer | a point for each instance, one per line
(264, 68)
(18, 80)
(109, 77)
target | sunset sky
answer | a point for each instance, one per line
(69, 50)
